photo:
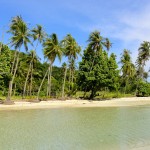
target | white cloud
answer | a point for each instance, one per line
(127, 22)
(131, 27)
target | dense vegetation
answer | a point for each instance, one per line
(97, 75)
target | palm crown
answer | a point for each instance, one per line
(52, 48)
(20, 33)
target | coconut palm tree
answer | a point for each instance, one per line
(38, 34)
(71, 50)
(31, 59)
(144, 55)
(128, 68)
(20, 36)
(64, 66)
(41, 85)
(34, 63)
(97, 42)
(72, 68)
(52, 49)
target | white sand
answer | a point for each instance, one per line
(134, 101)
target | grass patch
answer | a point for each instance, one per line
(102, 95)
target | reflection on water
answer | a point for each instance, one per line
(75, 129)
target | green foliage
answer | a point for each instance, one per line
(113, 74)
(20, 33)
(144, 89)
(102, 95)
(98, 75)
(128, 71)
(52, 48)
(97, 70)
(5, 65)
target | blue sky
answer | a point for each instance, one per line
(126, 23)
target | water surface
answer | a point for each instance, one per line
(115, 128)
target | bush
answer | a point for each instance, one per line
(144, 89)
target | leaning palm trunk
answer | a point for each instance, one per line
(13, 64)
(143, 70)
(14, 93)
(30, 92)
(41, 85)
(50, 80)
(0, 48)
(63, 86)
(12, 80)
(125, 90)
(69, 79)
(141, 75)
(72, 77)
(48, 85)
(25, 85)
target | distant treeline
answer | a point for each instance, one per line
(23, 74)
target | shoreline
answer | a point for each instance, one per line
(118, 102)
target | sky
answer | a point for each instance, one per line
(126, 23)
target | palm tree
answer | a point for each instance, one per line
(34, 63)
(52, 49)
(41, 85)
(64, 66)
(144, 55)
(71, 50)
(31, 59)
(38, 34)
(128, 68)
(97, 42)
(20, 36)
(107, 44)
(72, 68)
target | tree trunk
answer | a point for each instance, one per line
(27, 90)
(30, 93)
(48, 85)
(13, 64)
(126, 86)
(14, 90)
(0, 48)
(50, 78)
(69, 79)
(143, 71)
(93, 93)
(137, 86)
(72, 77)
(41, 85)
(24, 89)
(12, 80)
(63, 86)
(84, 94)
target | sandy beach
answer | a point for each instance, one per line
(120, 102)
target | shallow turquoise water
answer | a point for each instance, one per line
(75, 129)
